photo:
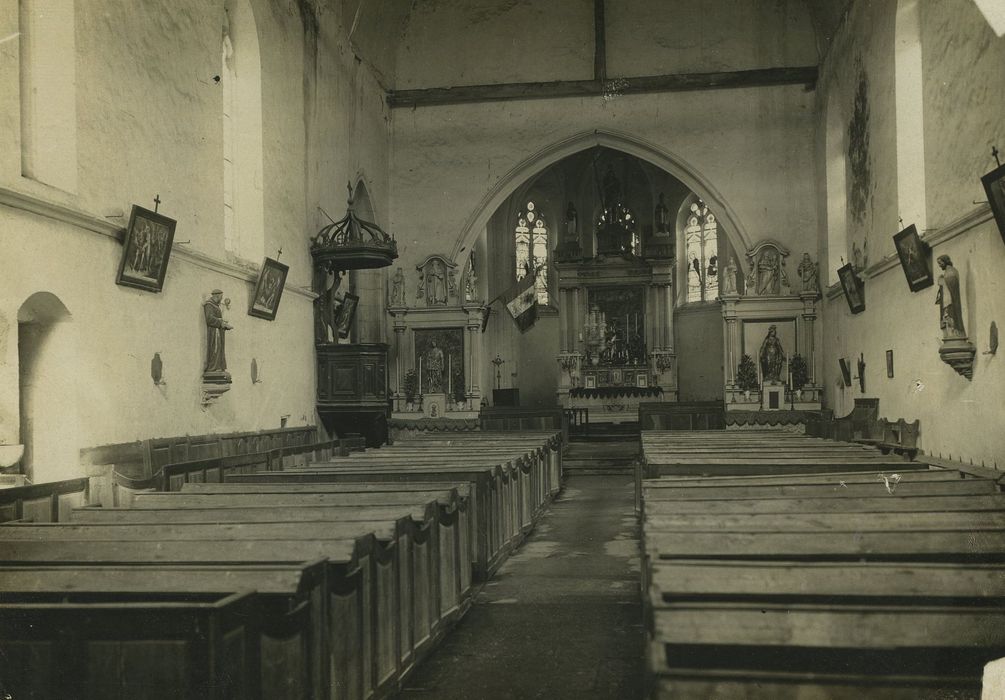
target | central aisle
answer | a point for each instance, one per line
(562, 618)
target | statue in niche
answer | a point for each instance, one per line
(398, 288)
(768, 273)
(949, 301)
(571, 223)
(729, 281)
(436, 284)
(772, 356)
(750, 288)
(452, 282)
(661, 217)
(808, 274)
(434, 369)
(216, 358)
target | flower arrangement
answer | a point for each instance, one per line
(746, 374)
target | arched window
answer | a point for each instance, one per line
(241, 80)
(531, 236)
(701, 246)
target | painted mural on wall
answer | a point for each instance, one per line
(441, 351)
(859, 158)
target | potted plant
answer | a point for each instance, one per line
(800, 373)
(746, 376)
(409, 385)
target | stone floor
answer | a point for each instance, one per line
(562, 618)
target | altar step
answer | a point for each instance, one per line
(601, 458)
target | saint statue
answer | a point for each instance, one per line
(571, 223)
(471, 281)
(216, 359)
(452, 282)
(434, 369)
(808, 274)
(767, 273)
(750, 285)
(772, 357)
(949, 301)
(661, 217)
(398, 288)
(436, 286)
(729, 281)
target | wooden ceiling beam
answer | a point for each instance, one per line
(679, 82)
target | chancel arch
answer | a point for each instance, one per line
(47, 381)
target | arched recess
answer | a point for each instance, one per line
(368, 285)
(529, 167)
(47, 372)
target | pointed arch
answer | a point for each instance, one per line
(545, 157)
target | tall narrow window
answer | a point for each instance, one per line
(837, 187)
(241, 80)
(701, 244)
(48, 92)
(911, 203)
(531, 236)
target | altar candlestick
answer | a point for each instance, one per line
(420, 376)
(448, 376)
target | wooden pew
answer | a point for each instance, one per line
(415, 535)
(285, 646)
(311, 671)
(451, 528)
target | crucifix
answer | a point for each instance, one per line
(995, 152)
(157, 202)
(498, 362)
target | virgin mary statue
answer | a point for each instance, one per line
(772, 356)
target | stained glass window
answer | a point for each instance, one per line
(701, 243)
(531, 237)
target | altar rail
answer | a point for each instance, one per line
(695, 415)
(504, 418)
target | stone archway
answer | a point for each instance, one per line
(47, 381)
(537, 162)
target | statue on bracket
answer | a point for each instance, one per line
(729, 282)
(772, 356)
(397, 289)
(470, 281)
(215, 377)
(661, 217)
(571, 223)
(808, 274)
(437, 281)
(956, 350)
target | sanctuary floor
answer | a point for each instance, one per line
(562, 617)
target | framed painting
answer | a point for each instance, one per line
(994, 186)
(854, 288)
(915, 258)
(845, 371)
(146, 250)
(345, 314)
(269, 289)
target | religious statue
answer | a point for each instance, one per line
(436, 285)
(768, 273)
(470, 281)
(808, 274)
(398, 288)
(949, 301)
(216, 359)
(750, 287)
(661, 217)
(729, 281)
(771, 356)
(571, 223)
(434, 369)
(420, 290)
(612, 194)
(452, 282)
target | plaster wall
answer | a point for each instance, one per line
(962, 104)
(149, 122)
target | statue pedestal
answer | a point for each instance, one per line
(214, 385)
(434, 405)
(959, 354)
